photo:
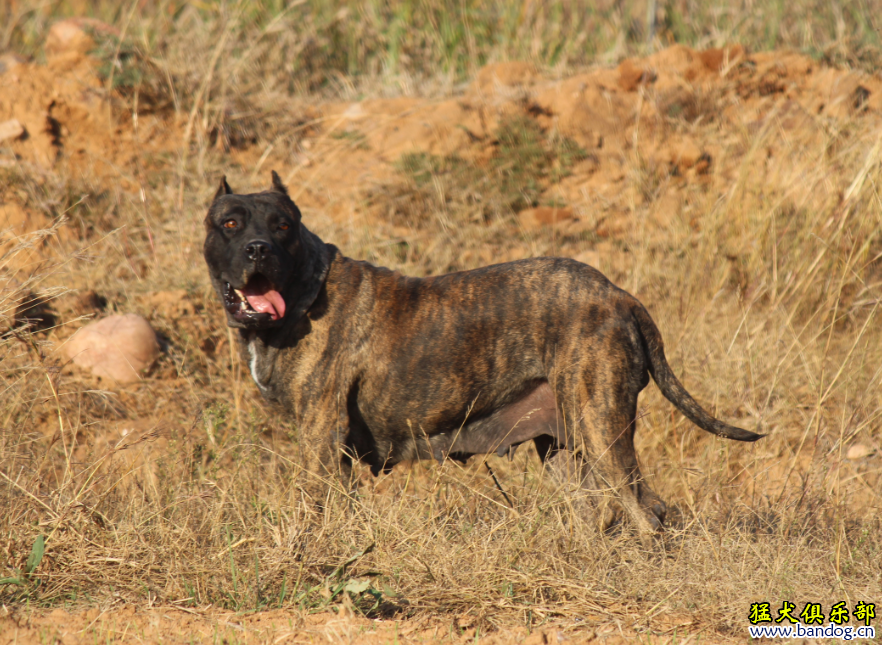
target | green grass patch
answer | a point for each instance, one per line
(524, 161)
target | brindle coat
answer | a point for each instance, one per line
(379, 367)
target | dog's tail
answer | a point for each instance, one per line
(671, 387)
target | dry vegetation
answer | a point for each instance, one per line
(742, 207)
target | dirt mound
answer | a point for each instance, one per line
(665, 108)
(66, 112)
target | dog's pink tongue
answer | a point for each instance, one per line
(269, 302)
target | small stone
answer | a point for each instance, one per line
(74, 36)
(11, 129)
(118, 348)
(858, 451)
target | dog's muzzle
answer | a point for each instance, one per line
(258, 301)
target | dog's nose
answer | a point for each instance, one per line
(257, 250)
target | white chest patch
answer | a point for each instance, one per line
(252, 364)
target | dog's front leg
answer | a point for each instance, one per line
(326, 466)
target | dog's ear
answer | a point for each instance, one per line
(278, 186)
(224, 188)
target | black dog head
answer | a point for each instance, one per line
(260, 258)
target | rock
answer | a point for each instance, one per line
(118, 348)
(73, 36)
(11, 129)
(858, 451)
(68, 36)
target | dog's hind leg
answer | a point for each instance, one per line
(598, 403)
(637, 498)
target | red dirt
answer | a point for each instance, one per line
(126, 623)
(608, 112)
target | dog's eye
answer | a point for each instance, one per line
(231, 223)
(283, 226)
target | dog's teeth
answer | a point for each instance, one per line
(239, 293)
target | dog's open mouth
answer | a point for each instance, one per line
(257, 301)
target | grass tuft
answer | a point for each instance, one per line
(521, 162)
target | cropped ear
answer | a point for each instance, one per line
(278, 186)
(224, 188)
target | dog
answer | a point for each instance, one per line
(377, 367)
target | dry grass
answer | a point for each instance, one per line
(184, 489)
(314, 44)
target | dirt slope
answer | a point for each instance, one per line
(677, 110)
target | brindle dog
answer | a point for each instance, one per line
(378, 367)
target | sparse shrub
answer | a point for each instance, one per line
(524, 161)
(127, 71)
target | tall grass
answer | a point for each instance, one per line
(315, 44)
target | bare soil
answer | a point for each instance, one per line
(175, 625)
